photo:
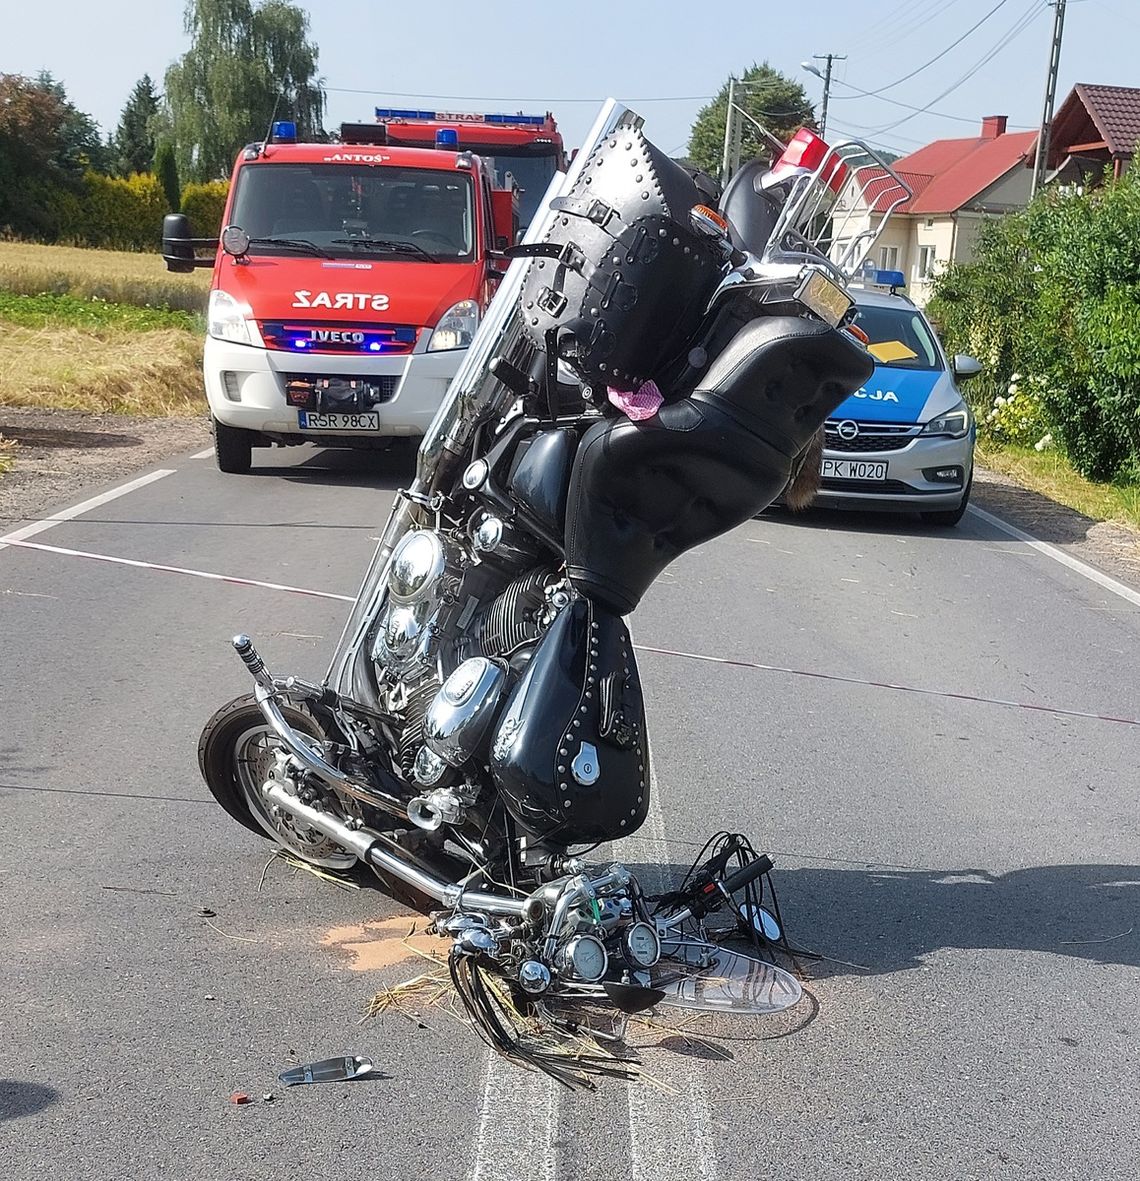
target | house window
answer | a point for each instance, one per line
(925, 261)
(889, 258)
(930, 223)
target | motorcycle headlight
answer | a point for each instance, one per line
(954, 424)
(226, 319)
(456, 327)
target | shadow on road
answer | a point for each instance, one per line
(383, 470)
(18, 1099)
(51, 437)
(889, 920)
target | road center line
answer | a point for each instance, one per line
(1059, 555)
(518, 1124)
(85, 506)
(256, 582)
(668, 1134)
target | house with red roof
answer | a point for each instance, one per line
(1095, 130)
(956, 184)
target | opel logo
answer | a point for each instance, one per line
(847, 430)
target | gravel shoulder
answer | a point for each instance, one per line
(62, 453)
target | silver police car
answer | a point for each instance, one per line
(905, 441)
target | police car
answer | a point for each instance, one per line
(905, 441)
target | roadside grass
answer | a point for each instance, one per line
(40, 311)
(115, 276)
(156, 372)
(1050, 474)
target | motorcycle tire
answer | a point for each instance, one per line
(227, 742)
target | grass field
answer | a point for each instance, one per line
(100, 331)
(140, 280)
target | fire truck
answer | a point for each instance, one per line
(527, 147)
(348, 281)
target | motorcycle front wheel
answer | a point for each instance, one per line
(236, 754)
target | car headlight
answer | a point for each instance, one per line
(456, 327)
(954, 424)
(226, 319)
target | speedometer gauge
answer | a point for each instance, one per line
(642, 946)
(585, 957)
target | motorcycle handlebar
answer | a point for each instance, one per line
(748, 873)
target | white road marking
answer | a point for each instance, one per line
(78, 553)
(84, 506)
(518, 1124)
(668, 1134)
(208, 453)
(1059, 555)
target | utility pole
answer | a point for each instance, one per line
(1041, 163)
(829, 58)
(726, 166)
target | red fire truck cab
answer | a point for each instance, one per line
(348, 282)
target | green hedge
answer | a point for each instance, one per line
(204, 205)
(113, 213)
(1053, 297)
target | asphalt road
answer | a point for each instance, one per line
(970, 868)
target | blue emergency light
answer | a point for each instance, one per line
(283, 132)
(447, 138)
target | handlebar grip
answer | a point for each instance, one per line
(748, 873)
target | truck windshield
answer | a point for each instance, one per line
(532, 175)
(898, 337)
(353, 212)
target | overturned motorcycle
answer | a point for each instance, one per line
(651, 373)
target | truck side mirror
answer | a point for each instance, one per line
(178, 245)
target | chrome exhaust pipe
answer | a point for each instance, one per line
(378, 851)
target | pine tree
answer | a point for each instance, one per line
(166, 168)
(133, 143)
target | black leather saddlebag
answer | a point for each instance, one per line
(643, 493)
(621, 274)
(569, 754)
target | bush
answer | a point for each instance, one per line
(1054, 293)
(204, 205)
(118, 214)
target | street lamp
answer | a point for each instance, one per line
(826, 76)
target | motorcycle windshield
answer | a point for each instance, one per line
(733, 983)
(473, 395)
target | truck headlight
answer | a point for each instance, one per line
(954, 424)
(226, 319)
(456, 327)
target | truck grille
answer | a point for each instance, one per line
(338, 395)
(876, 436)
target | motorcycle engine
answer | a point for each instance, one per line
(456, 628)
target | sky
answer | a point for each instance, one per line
(664, 59)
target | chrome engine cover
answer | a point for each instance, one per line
(460, 717)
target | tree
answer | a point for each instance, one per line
(771, 98)
(80, 146)
(132, 146)
(166, 168)
(245, 66)
(45, 147)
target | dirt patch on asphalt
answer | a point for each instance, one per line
(1109, 545)
(62, 453)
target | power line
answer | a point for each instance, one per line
(972, 119)
(1018, 28)
(942, 54)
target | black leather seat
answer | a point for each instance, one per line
(643, 493)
